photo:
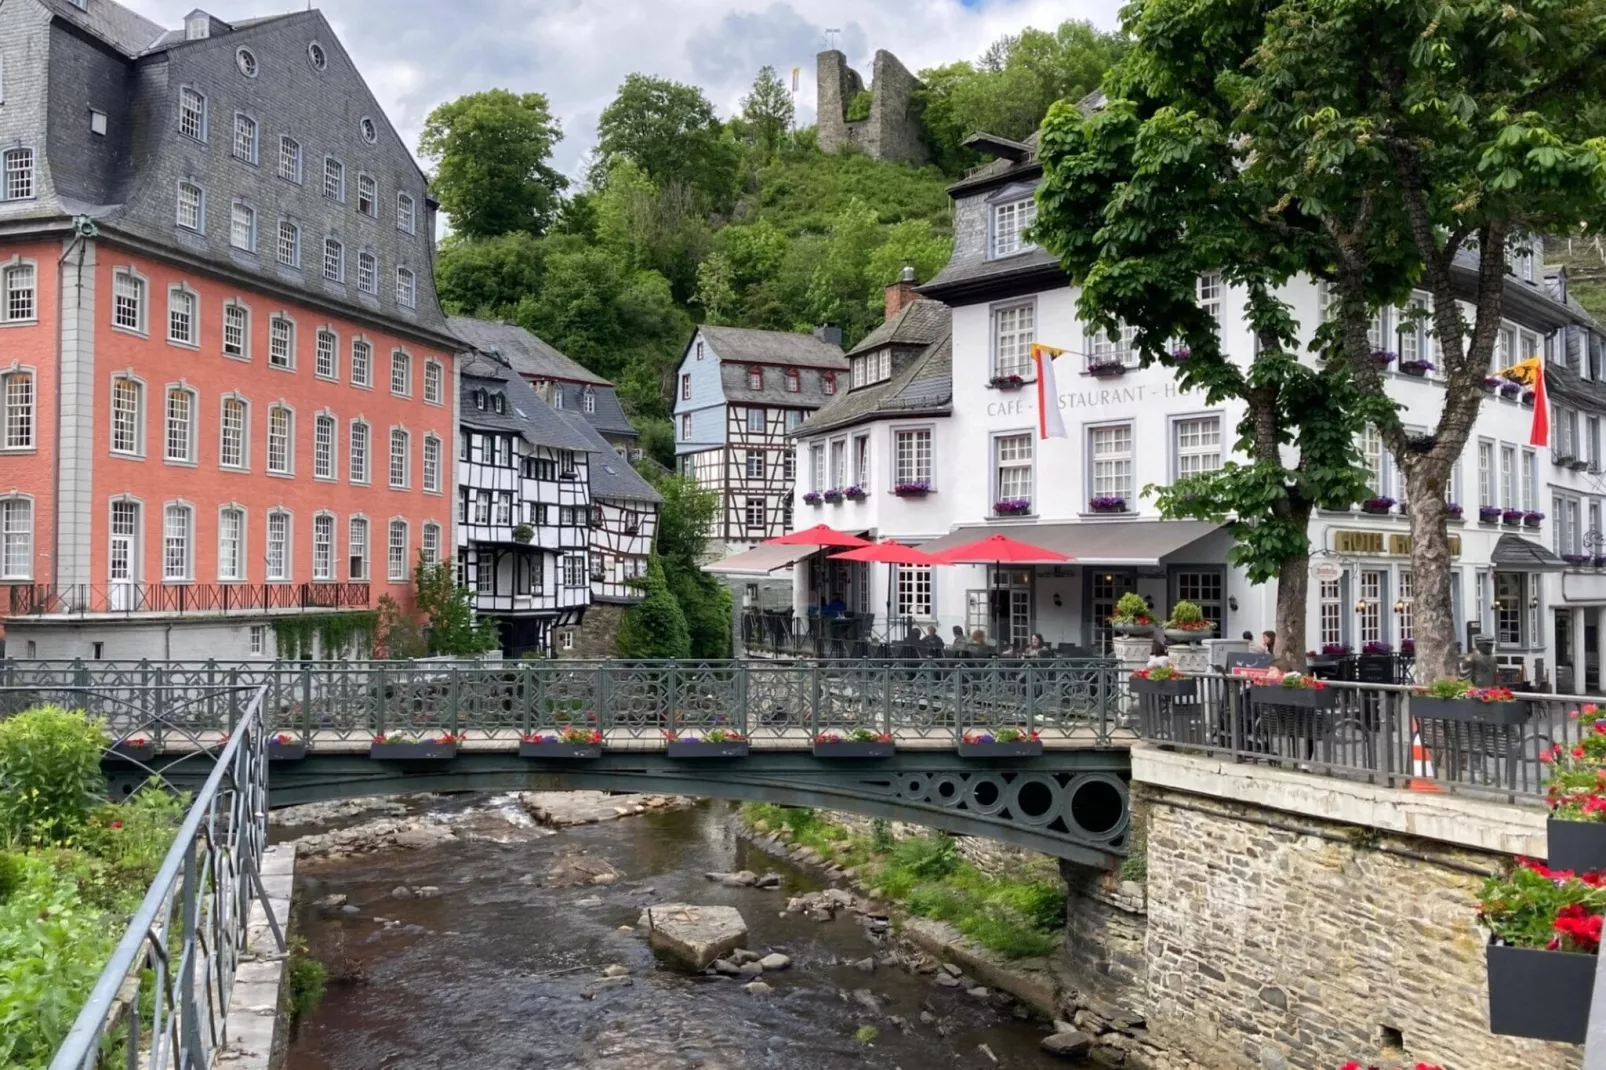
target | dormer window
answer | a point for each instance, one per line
(755, 377)
(500, 401)
(1010, 222)
(871, 368)
(557, 396)
(198, 27)
(794, 381)
(588, 400)
(479, 400)
(828, 383)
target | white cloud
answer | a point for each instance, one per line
(417, 53)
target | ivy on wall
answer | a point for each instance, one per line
(336, 634)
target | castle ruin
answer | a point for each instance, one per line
(893, 131)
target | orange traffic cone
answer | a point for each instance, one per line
(1421, 762)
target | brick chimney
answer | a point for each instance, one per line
(901, 294)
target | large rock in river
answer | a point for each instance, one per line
(692, 935)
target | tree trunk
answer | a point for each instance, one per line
(1293, 595)
(1432, 613)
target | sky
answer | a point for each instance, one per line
(416, 54)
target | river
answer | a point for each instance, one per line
(500, 972)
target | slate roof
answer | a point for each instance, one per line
(607, 415)
(527, 354)
(919, 323)
(924, 388)
(810, 394)
(123, 28)
(773, 347)
(525, 414)
(612, 476)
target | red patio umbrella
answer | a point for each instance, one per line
(890, 553)
(818, 535)
(999, 550)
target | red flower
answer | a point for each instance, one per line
(1578, 752)
(1580, 927)
(116, 824)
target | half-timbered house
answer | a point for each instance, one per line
(524, 507)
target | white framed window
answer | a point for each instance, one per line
(128, 302)
(245, 138)
(755, 514)
(230, 544)
(19, 174)
(482, 507)
(574, 570)
(357, 463)
(1369, 609)
(367, 273)
(281, 343)
(406, 288)
(17, 414)
(1413, 335)
(433, 380)
(16, 538)
(504, 508)
(362, 362)
(191, 113)
(281, 436)
(1196, 445)
(334, 179)
(871, 368)
(236, 330)
(588, 400)
(430, 544)
(401, 373)
(1486, 478)
(246, 60)
(914, 591)
(21, 301)
(326, 355)
(290, 159)
(755, 421)
(396, 551)
(1103, 348)
(1014, 330)
(1012, 464)
(755, 464)
(259, 638)
(1530, 473)
(404, 213)
(1110, 458)
(232, 433)
(1331, 601)
(1371, 451)
(399, 446)
(1209, 294)
(178, 536)
(432, 464)
(323, 547)
(182, 306)
(1010, 222)
(334, 260)
(817, 467)
(289, 249)
(685, 427)
(1406, 600)
(97, 122)
(861, 461)
(323, 446)
(127, 415)
(1508, 477)
(278, 557)
(367, 196)
(180, 432)
(243, 227)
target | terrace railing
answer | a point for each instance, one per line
(81, 599)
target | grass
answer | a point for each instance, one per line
(1018, 914)
(866, 1033)
(307, 981)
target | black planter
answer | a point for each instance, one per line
(701, 748)
(1540, 994)
(413, 752)
(1409, 368)
(134, 752)
(286, 752)
(1377, 510)
(849, 748)
(1576, 845)
(1308, 698)
(1183, 688)
(559, 749)
(1469, 709)
(1026, 748)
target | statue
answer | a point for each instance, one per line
(1480, 663)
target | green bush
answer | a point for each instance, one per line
(881, 840)
(858, 106)
(308, 977)
(656, 626)
(50, 775)
(12, 872)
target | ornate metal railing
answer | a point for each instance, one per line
(164, 995)
(79, 599)
(924, 697)
(1369, 732)
(858, 635)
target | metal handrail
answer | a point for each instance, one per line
(211, 876)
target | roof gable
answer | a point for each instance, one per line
(745, 345)
(523, 350)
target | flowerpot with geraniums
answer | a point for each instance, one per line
(1532, 518)
(1490, 384)
(812, 497)
(1006, 382)
(1106, 503)
(1528, 397)
(134, 749)
(1379, 506)
(1382, 358)
(917, 489)
(406, 747)
(1453, 510)
(1510, 391)
(854, 493)
(1418, 368)
(1544, 936)
(285, 747)
(1131, 616)
(1575, 560)
(1377, 648)
(1163, 680)
(523, 533)
(1012, 506)
(854, 743)
(1512, 518)
(1294, 689)
(713, 743)
(1006, 742)
(1489, 514)
(566, 742)
(1458, 700)
(1576, 795)
(1106, 368)
(834, 496)
(1187, 623)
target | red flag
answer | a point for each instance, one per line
(1540, 435)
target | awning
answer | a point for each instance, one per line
(1095, 542)
(1516, 552)
(760, 560)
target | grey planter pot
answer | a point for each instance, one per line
(1303, 697)
(855, 749)
(1180, 635)
(1133, 629)
(1028, 748)
(1469, 710)
(560, 750)
(698, 748)
(1184, 688)
(413, 752)
(134, 752)
(1576, 845)
(286, 752)
(1540, 994)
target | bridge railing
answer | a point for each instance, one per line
(936, 698)
(162, 999)
(1367, 732)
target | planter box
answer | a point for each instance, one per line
(1468, 709)
(1412, 368)
(1581, 465)
(134, 752)
(1026, 748)
(286, 752)
(1544, 995)
(910, 493)
(560, 750)
(1133, 629)
(1531, 523)
(1185, 635)
(1107, 371)
(1511, 522)
(1304, 697)
(413, 752)
(1183, 688)
(859, 749)
(1576, 845)
(698, 748)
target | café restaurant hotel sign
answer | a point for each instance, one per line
(1380, 544)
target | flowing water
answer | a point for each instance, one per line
(500, 972)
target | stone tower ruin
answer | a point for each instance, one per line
(893, 130)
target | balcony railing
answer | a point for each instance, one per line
(82, 599)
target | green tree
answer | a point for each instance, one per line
(50, 775)
(655, 627)
(449, 610)
(490, 151)
(670, 131)
(911, 243)
(716, 290)
(653, 228)
(768, 109)
(684, 520)
(488, 276)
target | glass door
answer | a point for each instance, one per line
(1107, 587)
(123, 563)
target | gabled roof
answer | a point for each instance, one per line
(611, 475)
(523, 351)
(924, 388)
(525, 414)
(919, 323)
(742, 344)
(606, 414)
(123, 28)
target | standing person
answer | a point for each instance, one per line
(1268, 642)
(959, 647)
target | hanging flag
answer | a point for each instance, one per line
(1050, 421)
(1531, 374)
(795, 72)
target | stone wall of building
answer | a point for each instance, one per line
(893, 130)
(597, 634)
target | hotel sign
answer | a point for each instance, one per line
(1380, 544)
(1025, 401)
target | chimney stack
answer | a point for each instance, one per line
(829, 333)
(901, 294)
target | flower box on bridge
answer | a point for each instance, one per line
(1180, 687)
(286, 748)
(1307, 698)
(570, 743)
(858, 743)
(1000, 743)
(393, 749)
(1576, 845)
(1540, 994)
(1469, 710)
(134, 750)
(716, 744)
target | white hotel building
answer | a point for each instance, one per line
(940, 417)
